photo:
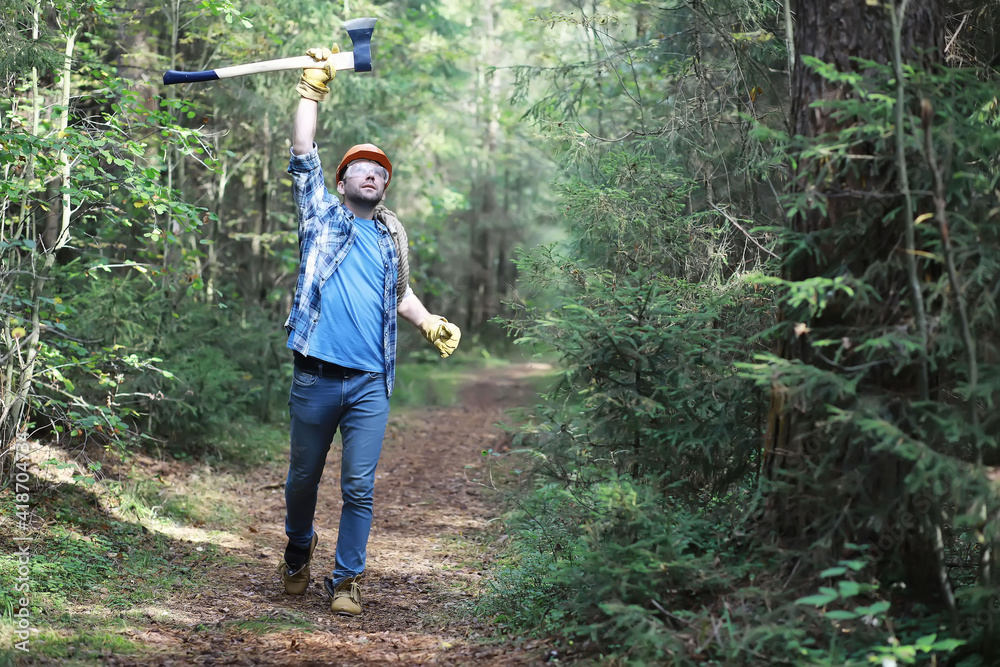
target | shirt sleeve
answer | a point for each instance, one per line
(309, 187)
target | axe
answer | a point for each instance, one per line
(359, 60)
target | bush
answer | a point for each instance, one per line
(216, 367)
(609, 564)
(639, 449)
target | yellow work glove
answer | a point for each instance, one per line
(312, 85)
(441, 333)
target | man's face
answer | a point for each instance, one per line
(364, 182)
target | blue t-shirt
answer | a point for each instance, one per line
(349, 331)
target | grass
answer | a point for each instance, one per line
(81, 547)
(281, 622)
(248, 445)
(202, 503)
(82, 646)
(97, 560)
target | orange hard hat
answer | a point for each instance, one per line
(364, 152)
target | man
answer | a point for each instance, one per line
(352, 282)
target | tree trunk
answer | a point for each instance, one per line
(257, 279)
(481, 296)
(19, 383)
(824, 478)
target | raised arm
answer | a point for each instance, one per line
(304, 127)
(313, 89)
(311, 195)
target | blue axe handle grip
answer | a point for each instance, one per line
(173, 76)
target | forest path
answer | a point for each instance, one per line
(425, 557)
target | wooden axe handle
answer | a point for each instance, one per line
(340, 61)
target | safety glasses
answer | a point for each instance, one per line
(366, 169)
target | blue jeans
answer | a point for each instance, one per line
(358, 405)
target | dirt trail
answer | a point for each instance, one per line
(424, 558)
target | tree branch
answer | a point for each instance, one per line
(745, 232)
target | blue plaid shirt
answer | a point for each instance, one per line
(326, 235)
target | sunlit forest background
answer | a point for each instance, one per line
(758, 241)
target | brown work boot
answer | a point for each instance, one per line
(346, 597)
(295, 575)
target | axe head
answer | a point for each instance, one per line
(360, 31)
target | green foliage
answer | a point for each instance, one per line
(85, 645)
(96, 552)
(20, 53)
(607, 562)
(854, 609)
(620, 214)
(892, 401)
(147, 248)
(248, 444)
(663, 332)
(216, 374)
(69, 172)
(646, 427)
(648, 381)
(647, 384)
(646, 307)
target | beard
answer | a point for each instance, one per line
(362, 195)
